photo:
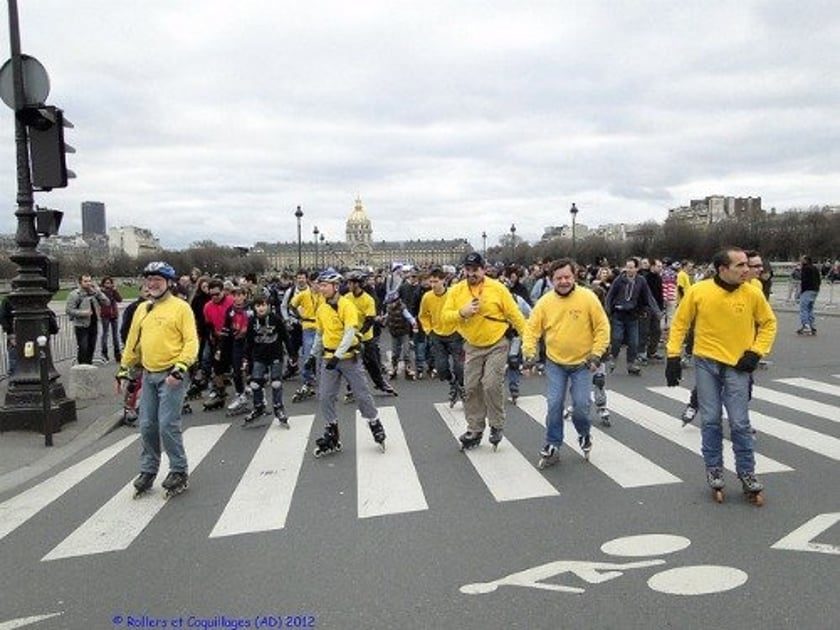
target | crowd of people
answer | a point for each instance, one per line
(477, 329)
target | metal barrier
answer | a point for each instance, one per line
(63, 345)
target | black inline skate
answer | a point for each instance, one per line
(599, 397)
(305, 392)
(378, 433)
(585, 442)
(349, 397)
(387, 389)
(495, 437)
(549, 456)
(470, 440)
(129, 418)
(216, 400)
(328, 443)
(753, 488)
(456, 393)
(197, 386)
(281, 417)
(256, 418)
(175, 483)
(143, 483)
(238, 407)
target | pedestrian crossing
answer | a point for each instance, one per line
(392, 483)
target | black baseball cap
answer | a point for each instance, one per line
(473, 259)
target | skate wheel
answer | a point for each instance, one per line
(541, 464)
(757, 498)
(316, 452)
(718, 496)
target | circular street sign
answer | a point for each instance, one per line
(36, 82)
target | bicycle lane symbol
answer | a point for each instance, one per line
(687, 580)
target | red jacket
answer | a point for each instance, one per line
(214, 315)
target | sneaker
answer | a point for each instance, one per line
(688, 414)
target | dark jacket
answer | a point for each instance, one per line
(810, 278)
(629, 297)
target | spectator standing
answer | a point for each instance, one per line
(110, 318)
(809, 289)
(83, 308)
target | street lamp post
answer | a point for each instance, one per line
(484, 244)
(315, 239)
(323, 251)
(299, 216)
(26, 407)
(512, 241)
(573, 211)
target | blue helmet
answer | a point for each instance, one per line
(330, 275)
(161, 269)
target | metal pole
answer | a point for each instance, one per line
(43, 361)
(298, 216)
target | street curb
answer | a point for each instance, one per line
(96, 430)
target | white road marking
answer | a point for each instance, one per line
(387, 482)
(263, 496)
(26, 621)
(800, 538)
(697, 580)
(688, 436)
(814, 441)
(117, 523)
(20, 508)
(622, 464)
(506, 472)
(814, 386)
(797, 403)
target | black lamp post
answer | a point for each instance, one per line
(26, 406)
(512, 241)
(323, 251)
(315, 233)
(484, 244)
(573, 211)
(299, 216)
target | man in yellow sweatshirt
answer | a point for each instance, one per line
(576, 331)
(734, 327)
(482, 309)
(163, 341)
(446, 343)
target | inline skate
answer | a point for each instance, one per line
(470, 440)
(281, 417)
(197, 386)
(495, 437)
(328, 443)
(387, 389)
(549, 456)
(257, 417)
(174, 484)
(585, 442)
(238, 407)
(753, 488)
(599, 397)
(456, 393)
(216, 400)
(143, 483)
(688, 414)
(349, 397)
(305, 392)
(514, 396)
(378, 433)
(129, 418)
(714, 477)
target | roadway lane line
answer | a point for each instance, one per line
(670, 428)
(263, 496)
(797, 403)
(387, 483)
(506, 472)
(620, 463)
(117, 523)
(814, 441)
(20, 508)
(814, 386)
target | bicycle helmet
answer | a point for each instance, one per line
(161, 269)
(330, 275)
(356, 276)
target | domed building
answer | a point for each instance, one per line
(360, 250)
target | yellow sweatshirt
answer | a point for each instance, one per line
(161, 335)
(366, 306)
(333, 321)
(306, 302)
(574, 327)
(497, 311)
(431, 308)
(726, 323)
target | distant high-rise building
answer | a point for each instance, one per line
(93, 218)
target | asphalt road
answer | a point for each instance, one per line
(423, 536)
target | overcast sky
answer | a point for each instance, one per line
(210, 119)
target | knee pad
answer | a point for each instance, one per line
(599, 380)
(256, 383)
(276, 384)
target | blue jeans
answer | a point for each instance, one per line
(559, 377)
(110, 328)
(624, 328)
(720, 386)
(159, 418)
(514, 362)
(308, 336)
(806, 308)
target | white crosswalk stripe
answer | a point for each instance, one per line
(806, 438)
(390, 483)
(117, 523)
(688, 437)
(622, 464)
(263, 495)
(506, 472)
(387, 482)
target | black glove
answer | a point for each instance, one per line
(673, 371)
(310, 364)
(593, 362)
(748, 362)
(332, 362)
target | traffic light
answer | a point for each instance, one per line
(47, 149)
